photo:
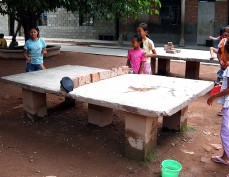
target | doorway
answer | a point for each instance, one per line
(206, 18)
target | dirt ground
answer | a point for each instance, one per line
(63, 144)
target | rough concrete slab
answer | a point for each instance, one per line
(147, 95)
(186, 55)
(48, 81)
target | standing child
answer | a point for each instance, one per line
(34, 50)
(219, 38)
(135, 57)
(223, 96)
(220, 56)
(222, 60)
(148, 47)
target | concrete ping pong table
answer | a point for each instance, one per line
(142, 99)
(193, 58)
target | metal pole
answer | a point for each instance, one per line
(181, 43)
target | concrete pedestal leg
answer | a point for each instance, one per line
(69, 102)
(163, 66)
(34, 103)
(99, 115)
(153, 65)
(192, 70)
(140, 136)
(176, 121)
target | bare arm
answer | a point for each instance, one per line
(215, 38)
(152, 55)
(25, 54)
(128, 63)
(44, 51)
(217, 95)
(141, 67)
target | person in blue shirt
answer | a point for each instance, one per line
(34, 51)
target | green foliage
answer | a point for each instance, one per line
(27, 12)
(186, 128)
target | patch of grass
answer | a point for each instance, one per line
(186, 128)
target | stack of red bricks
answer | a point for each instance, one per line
(169, 48)
(95, 77)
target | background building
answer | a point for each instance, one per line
(202, 18)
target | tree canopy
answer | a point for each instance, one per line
(27, 12)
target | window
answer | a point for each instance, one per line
(42, 21)
(170, 15)
(86, 20)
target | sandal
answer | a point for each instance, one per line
(212, 58)
(218, 159)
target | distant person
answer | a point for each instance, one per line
(222, 61)
(3, 43)
(219, 38)
(136, 58)
(223, 96)
(148, 47)
(34, 50)
(220, 56)
(13, 43)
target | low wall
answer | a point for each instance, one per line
(18, 53)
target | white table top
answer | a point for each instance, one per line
(187, 55)
(48, 81)
(147, 95)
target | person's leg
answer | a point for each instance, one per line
(29, 67)
(38, 67)
(225, 134)
(215, 50)
(211, 52)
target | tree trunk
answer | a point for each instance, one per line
(28, 21)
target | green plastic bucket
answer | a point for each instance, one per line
(170, 168)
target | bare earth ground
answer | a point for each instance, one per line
(64, 145)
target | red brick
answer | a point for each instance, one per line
(114, 72)
(104, 75)
(95, 77)
(119, 71)
(76, 82)
(125, 69)
(82, 80)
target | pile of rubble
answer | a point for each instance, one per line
(169, 48)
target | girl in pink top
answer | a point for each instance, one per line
(136, 58)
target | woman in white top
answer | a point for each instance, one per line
(223, 96)
(148, 47)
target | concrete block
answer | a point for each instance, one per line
(140, 135)
(99, 115)
(176, 121)
(76, 82)
(87, 79)
(173, 51)
(125, 69)
(104, 75)
(82, 80)
(170, 43)
(119, 71)
(34, 103)
(95, 77)
(114, 72)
